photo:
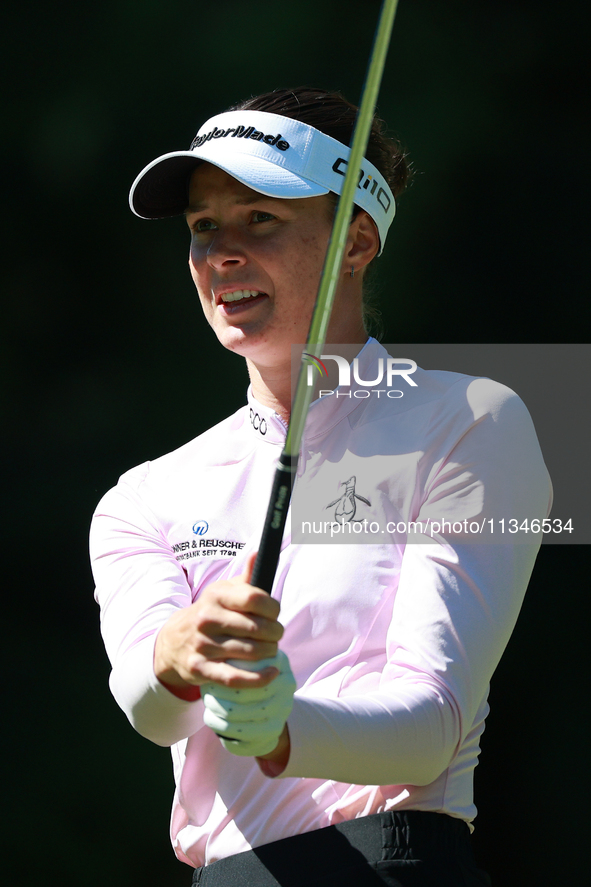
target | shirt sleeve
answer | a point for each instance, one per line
(454, 610)
(139, 585)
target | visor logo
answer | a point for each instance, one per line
(241, 132)
(370, 184)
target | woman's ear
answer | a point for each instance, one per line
(363, 242)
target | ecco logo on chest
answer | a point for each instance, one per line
(259, 423)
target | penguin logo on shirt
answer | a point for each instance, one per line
(346, 506)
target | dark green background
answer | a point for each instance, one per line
(107, 362)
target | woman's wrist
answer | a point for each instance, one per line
(275, 762)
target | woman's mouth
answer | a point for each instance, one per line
(238, 300)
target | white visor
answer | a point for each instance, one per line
(271, 154)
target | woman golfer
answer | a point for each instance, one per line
(347, 757)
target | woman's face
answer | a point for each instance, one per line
(256, 262)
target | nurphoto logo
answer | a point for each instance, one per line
(389, 371)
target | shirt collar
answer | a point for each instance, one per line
(265, 424)
(325, 412)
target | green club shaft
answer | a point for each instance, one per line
(266, 563)
(336, 248)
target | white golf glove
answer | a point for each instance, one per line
(249, 722)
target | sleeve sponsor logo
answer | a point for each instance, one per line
(192, 548)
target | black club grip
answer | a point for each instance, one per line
(265, 566)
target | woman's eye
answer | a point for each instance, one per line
(260, 216)
(202, 225)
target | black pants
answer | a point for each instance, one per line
(406, 849)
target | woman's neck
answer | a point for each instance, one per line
(272, 387)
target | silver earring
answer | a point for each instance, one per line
(352, 271)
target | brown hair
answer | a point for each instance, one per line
(331, 113)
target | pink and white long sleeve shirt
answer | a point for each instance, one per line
(392, 642)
